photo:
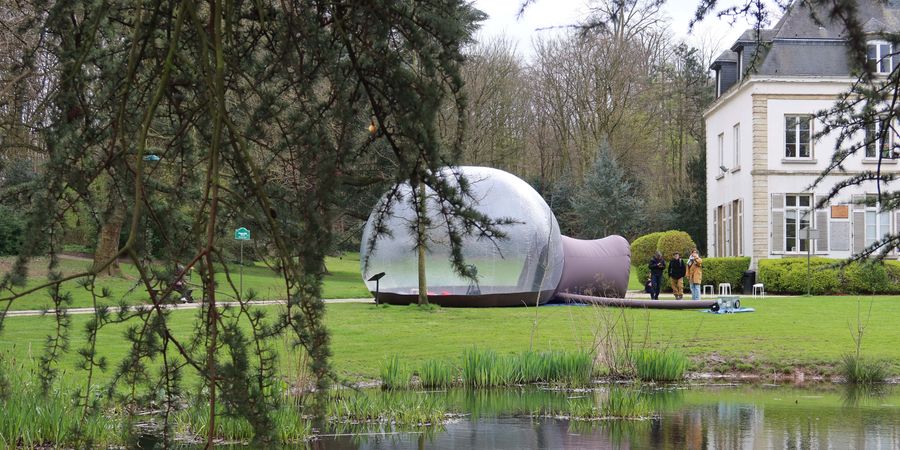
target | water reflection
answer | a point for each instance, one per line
(709, 417)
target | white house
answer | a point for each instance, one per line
(761, 158)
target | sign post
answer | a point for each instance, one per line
(811, 234)
(242, 234)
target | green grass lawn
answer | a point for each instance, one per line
(342, 281)
(783, 333)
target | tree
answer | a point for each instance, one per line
(609, 201)
(689, 206)
(258, 114)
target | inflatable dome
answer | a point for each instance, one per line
(523, 268)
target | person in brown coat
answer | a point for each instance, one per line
(695, 273)
(676, 272)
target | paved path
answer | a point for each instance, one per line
(115, 309)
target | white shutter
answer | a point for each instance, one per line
(821, 224)
(715, 241)
(776, 238)
(858, 227)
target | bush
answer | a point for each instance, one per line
(825, 276)
(858, 370)
(666, 242)
(725, 270)
(642, 249)
(12, 227)
(675, 241)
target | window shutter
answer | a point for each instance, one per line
(776, 239)
(715, 251)
(859, 223)
(896, 251)
(821, 224)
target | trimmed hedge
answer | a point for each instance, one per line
(666, 242)
(789, 276)
(675, 241)
(725, 270)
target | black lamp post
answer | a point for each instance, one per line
(378, 276)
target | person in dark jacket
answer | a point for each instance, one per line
(657, 265)
(676, 272)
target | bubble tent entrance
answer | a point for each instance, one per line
(525, 268)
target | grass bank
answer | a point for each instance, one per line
(342, 281)
(784, 333)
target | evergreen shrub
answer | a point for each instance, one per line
(725, 270)
(826, 277)
(642, 249)
(12, 228)
(675, 241)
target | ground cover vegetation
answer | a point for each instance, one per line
(342, 280)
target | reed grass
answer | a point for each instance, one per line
(398, 408)
(436, 373)
(484, 368)
(395, 374)
(625, 404)
(659, 365)
(859, 370)
(32, 419)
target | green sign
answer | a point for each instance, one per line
(242, 234)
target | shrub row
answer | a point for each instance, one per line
(666, 242)
(826, 276)
(715, 270)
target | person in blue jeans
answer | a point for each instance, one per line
(695, 273)
(657, 266)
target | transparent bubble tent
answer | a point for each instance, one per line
(525, 268)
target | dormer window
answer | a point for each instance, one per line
(879, 56)
(740, 64)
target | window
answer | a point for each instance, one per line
(740, 64)
(878, 139)
(797, 133)
(878, 223)
(796, 221)
(737, 145)
(879, 56)
(721, 149)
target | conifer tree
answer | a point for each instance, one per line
(608, 202)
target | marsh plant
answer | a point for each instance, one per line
(659, 365)
(856, 368)
(484, 368)
(395, 374)
(436, 373)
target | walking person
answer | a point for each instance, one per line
(657, 266)
(676, 272)
(695, 273)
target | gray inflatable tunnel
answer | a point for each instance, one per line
(598, 267)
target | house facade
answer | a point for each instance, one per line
(761, 156)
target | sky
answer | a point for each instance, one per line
(549, 13)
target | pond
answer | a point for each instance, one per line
(726, 416)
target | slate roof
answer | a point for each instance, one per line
(804, 44)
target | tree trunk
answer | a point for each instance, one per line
(108, 240)
(420, 245)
